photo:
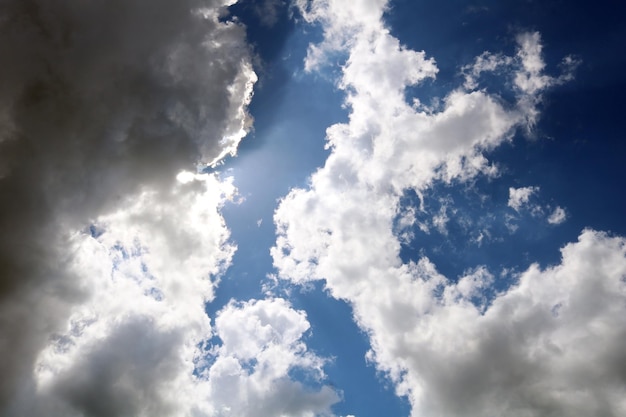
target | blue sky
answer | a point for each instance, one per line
(312, 208)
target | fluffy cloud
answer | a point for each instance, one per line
(519, 197)
(156, 361)
(141, 343)
(341, 21)
(532, 350)
(261, 345)
(106, 260)
(519, 200)
(387, 147)
(452, 346)
(558, 216)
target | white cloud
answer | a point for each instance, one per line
(519, 197)
(147, 270)
(534, 351)
(111, 244)
(441, 219)
(558, 216)
(531, 79)
(386, 148)
(448, 345)
(341, 21)
(486, 62)
(261, 345)
(140, 345)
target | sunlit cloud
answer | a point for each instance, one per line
(451, 345)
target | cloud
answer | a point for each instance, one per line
(261, 345)
(106, 259)
(486, 62)
(387, 147)
(144, 367)
(454, 346)
(526, 71)
(143, 345)
(340, 22)
(531, 351)
(519, 200)
(519, 197)
(558, 216)
(140, 342)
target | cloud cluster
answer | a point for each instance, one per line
(261, 346)
(519, 200)
(147, 270)
(109, 249)
(518, 197)
(153, 360)
(454, 347)
(141, 344)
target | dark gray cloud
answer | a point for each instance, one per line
(127, 375)
(98, 101)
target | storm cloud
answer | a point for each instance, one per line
(102, 102)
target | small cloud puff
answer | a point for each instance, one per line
(519, 197)
(558, 216)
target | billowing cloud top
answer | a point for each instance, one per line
(113, 241)
(454, 347)
(101, 105)
(108, 252)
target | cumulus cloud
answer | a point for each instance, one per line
(532, 350)
(558, 216)
(519, 197)
(340, 22)
(148, 365)
(261, 345)
(526, 72)
(453, 345)
(519, 200)
(112, 243)
(486, 62)
(387, 147)
(141, 343)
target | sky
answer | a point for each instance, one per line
(300, 208)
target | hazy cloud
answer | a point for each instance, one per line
(532, 351)
(143, 345)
